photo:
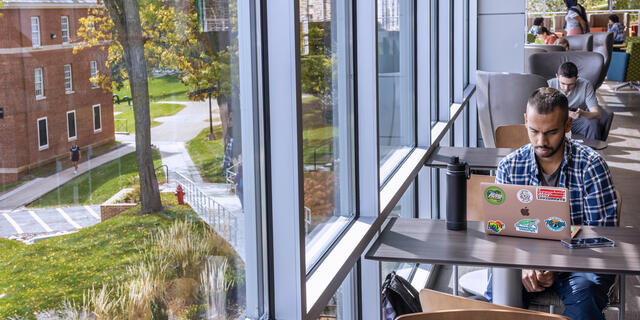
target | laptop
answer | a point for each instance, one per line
(526, 211)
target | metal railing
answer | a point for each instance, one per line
(210, 211)
(230, 176)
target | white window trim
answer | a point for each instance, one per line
(75, 125)
(68, 90)
(41, 95)
(93, 73)
(93, 109)
(33, 44)
(63, 29)
(46, 123)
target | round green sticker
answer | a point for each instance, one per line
(494, 195)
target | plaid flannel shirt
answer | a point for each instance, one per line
(592, 196)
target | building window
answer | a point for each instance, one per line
(35, 31)
(43, 138)
(37, 79)
(71, 125)
(97, 118)
(90, 26)
(64, 22)
(68, 81)
(93, 65)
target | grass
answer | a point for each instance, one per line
(124, 122)
(317, 134)
(99, 184)
(207, 155)
(167, 88)
(40, 276)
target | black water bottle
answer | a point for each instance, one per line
(456, 194)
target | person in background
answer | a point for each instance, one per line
(75, 157)
(546, 36)
(617, 28)
(562, 42)
(576, 18)
(537, 23)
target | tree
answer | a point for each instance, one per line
(125, 17)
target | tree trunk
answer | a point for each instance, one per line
(225, 117)
(126, 16)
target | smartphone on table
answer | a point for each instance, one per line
(588, 242)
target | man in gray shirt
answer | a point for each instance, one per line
(583, 105)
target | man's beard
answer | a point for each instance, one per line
(553, 150)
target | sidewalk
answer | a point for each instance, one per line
(38, 187)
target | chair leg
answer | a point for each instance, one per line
(552, 309)
(455, 280)
(621, 297)
(622, 85)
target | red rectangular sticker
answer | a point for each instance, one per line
(549, 194)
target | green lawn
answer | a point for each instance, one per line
(124, 121)
(99, 184)
(317, 134)
(207, 155)
(166, 88)
(40, 276)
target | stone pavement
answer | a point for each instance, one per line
(34, 189)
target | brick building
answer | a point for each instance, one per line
(47, 100)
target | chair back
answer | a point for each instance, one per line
(511, 136)
(473, 314)
(474, 196)
(633, 68)
(502, 99)
(589, 64)
(603, 44)
(530, 49)
(580, 42)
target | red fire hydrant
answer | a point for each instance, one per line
(180, 194)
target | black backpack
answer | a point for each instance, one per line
(398, 297)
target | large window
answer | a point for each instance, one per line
(35, 31)
(68, 79)
(97, 118)
(43, 134)
(64, 25)
(71, 125)
(93, 70)
(326, 74)
(396, 82)
(38, 82)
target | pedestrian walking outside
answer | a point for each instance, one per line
(75, 157)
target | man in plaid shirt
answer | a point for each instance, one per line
(553, 160)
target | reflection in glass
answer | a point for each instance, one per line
(327, 121)
(341, 305)
(396, 93)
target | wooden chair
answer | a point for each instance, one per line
(511, 136)
(479, 315)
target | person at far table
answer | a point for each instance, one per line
(537, 23)
(583, 105)
(551, 159)
(546, 36)
(617, 28)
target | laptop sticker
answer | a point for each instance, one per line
(555, 224)
(527, 225)
(525, 196)
(495, 225)
(494, 195)
(549, 194)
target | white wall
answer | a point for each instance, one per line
(501, 35)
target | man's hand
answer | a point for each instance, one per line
(574, 114)
(536, 280)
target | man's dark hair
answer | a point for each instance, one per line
(546, 99)
(543, 30)
(614, 18)
(568, 70)
(538, 21)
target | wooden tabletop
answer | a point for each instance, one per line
(477, 158)
(429, 241)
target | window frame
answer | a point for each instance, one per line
(68, 89)
(64, 20)
(46, 128)
(36, 33)
(93, 108)
(38, 84)
(93, 73)
(75, 126)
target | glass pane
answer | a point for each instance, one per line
(405, 209)
(342, 304)
(185, 225)
(396, 80)
(327, 121)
